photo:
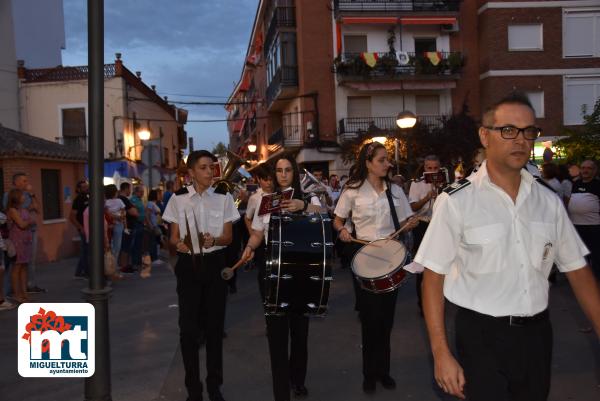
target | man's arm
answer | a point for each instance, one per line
(587, 293)
(73, 220)
(448, 373)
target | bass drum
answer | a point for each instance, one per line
(298, 264)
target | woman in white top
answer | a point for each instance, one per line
(115, 209)
(286, 367)
(364, 198)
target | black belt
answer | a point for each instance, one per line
(516, 321)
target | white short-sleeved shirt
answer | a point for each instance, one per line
(261, 223)
(371, 211)
(204, 213)
(419, 190)
(253, 203)
(496, 253)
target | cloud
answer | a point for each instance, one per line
(182, 46)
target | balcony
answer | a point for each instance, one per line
(397, 5)
(78, 143)
(288, 136)
(284, 83)
(352, 66)
(350, 128)
(283, 17)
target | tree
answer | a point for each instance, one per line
(583, 142)
(220, 149)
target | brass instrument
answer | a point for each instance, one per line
(310, 183)
(232, 177)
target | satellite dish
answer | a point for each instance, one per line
(403, 58)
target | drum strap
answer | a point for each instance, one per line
(388, 192)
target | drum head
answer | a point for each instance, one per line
(379, 258)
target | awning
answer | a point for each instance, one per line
(402, 20)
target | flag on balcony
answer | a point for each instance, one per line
(434, 57)
(370, 58)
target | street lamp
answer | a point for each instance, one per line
(144, 134)
(406, 119)
(251, 148)
(380, 139)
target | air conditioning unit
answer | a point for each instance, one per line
(450, 27)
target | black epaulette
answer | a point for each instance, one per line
(457, 186)
(544, 184)
(182, 191)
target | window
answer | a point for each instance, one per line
(581, 34)
(359, 106)
(537, 101)
(282, 54)
(51, 194)
(580, 92)
(427, 105)
(423, 45)
(525, 37)
(355, 43)
(74, 133)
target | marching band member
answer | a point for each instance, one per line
(285, 366)
(367, 196)
(201, 228)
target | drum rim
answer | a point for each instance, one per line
(386, 274)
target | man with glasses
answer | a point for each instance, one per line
(489, 249)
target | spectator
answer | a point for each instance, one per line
(153, 233)
(137, 245)
(21, 181)
(549, 175)
(4, 303)
(80, 203)
(565, 182)
(131, 214)
(19, 222)
(115, 209)
(168, 193)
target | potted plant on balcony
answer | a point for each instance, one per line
(387, 63)
(455, 62)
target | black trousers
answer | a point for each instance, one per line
(377, 320)
(201, 293)
(287, 365)
(418, 234)
(503, 362)
(260, 263)
(591, 238)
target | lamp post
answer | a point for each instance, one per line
(405, 120)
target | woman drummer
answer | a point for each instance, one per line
(365, 198)
(285, 367)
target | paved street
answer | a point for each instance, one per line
(146, 363)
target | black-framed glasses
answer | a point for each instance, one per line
(511, 132)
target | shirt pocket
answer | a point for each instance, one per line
(483, 247)
(365, 207)
(215, 222)
(542, 245)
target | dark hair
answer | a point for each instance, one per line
(263, 171)
(489, 115)
(549, 171)
(298, 193)
(359, 172)
(17, 175)
(124, 186)
(563, 173)
(110, 191)
(169, 185)
(197, 155)
(153, 195)
(14, 198)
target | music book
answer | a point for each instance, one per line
(270, 203)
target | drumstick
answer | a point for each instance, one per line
(227, 273)
(359, 241)
(392, 235)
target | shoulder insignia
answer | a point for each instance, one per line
(457, 186)
(544, 184)
(182, 191)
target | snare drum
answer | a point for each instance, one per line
(298, 264)
(378, 265)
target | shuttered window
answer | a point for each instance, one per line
(51, 194)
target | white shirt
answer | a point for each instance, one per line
(115, 206)
(205, 213)
(419, 190)
(496, 253)
(371, 211)
(253, 203)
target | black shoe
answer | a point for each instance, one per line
(369, 386)
(216, 396)
(35, 290)
(300, 391)
(193, 399)
(387, 382)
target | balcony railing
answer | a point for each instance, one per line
(288, 135)
(351, 127)
(389, 65)
(285, 76)
(74, 142)
(397, 5)
(283, 16)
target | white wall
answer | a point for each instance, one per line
(9, 111)
(39, 29)
(377, 36)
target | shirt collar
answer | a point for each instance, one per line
(369, 188)
(481, 177)
(208, 192)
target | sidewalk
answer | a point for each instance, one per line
(146, 362)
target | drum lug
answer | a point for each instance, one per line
(317, 278)
(329, 244)
(316, 244)
(284, 243)
(283, 277)
(326, 219)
